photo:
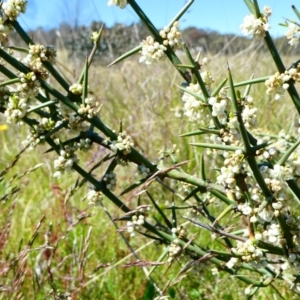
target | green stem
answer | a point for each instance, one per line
(251, 81)
(242, 129)
(45, 104)
(9, 82)
(13, 62)
(217, 146)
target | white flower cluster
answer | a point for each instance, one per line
(293, 34)
(175, 250)
(5, 28)
(249, 113)
(89, 108)
(245, 209)
(234, 164)
(207, 79)
(84, 144)
(76, 89)
(247, 252)
(44, 53)
(266, 215)
(171, 36)
(13, 8)
(233, 135)
(272, 234)
(152, 51)
(278, 83)
(29, 85)
(34, 60)
(180, 231)
(135, 224)
(36, 135)
(256, 27)
(77, 124)
(220, 107)
(94, 197)
(194, 108)
(64, 162)
(229, 135)
(21, 96)
(16, 108)
(120, 3)
(122, 144)
(275, 177)
(68, 157)
(110, 180)
(137, 219)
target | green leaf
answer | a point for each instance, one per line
(197, 96)
(181, 12)
(168, 223)
(200, 132)
(194, 192)
(134, 186)
(288, 153)
(251, 81)
(250, 5)
(126, 55)
(296, 11)
(219, 87)
(217, 146)
(9, 82)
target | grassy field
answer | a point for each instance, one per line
(53, 241)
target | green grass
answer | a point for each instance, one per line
(144, 99)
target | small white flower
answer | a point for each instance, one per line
(171, 36)
(120, 3)
(248, 290)
(64, 162)
(255, 27)
(76, 89)
(266, 215)
(151, 51)
(258, 236)
(293, 34)
(232, 262)
(13, 8)
(215, 271)
(122, 144)
(246, 209)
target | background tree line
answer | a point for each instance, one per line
(120, 38)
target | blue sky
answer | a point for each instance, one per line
(224, 16)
